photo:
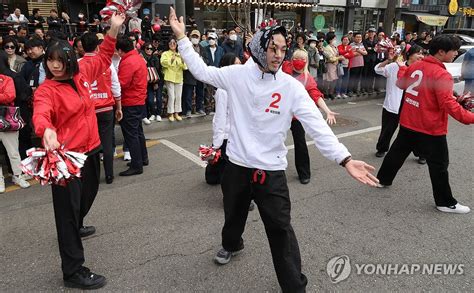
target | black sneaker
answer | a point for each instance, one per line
(85, 231)
(223, 256)
(421, 161)
(85, 279)
(380, 154)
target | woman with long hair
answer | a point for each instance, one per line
(173, 68)
(64, 115)
(298, 68)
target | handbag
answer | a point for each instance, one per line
(153, 75)
(340, 69)
(10, 119)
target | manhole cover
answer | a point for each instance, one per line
(342, 122)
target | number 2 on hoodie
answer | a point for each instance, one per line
(274, 104)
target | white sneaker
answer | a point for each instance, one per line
(146, 121)
(152, 118)
(2, 185)
(381, 185)
(115, 153)
(338, 96)
(18, 180)
(158, 118)
(457, 209)
(126, 156)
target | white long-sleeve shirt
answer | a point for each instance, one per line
(261, 107)
(393, 94)
(220, 122)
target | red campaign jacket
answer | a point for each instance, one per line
(71, 113)
(346, 51)
(7, 90)
(428, 98)
(132, 75)
(101, 87)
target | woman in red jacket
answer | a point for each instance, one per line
(298, 68)
(345, 50)
(64, 115)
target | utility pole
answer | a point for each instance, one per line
(389, 17)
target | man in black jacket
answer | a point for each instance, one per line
(190, 83)
(33, 74)
(370, 60)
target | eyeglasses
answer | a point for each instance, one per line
(9, 47)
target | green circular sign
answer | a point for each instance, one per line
(319, 22)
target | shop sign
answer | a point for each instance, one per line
(453, 7)
(319, 22)
(467, 11)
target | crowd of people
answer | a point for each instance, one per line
(130, 73)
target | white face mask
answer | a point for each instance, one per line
(312, 45)
(195, 41)
(233, 37)
(212, 42)
(81, 15)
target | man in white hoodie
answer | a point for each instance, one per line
(262, 102)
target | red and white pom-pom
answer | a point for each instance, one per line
(129, 7)
(53, 167)
(466, 101)
(209, 154)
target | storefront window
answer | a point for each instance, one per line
(366, 18)
(325, 17)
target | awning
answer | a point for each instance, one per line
(429, 19)
(284, 3)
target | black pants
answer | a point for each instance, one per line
(24, 135)
(71, 204)
(355, 74)
(368, 77)
(105, 121)
(273, 200)
(133, 134)
(215, 172)
(389, 126)
(301, 150)
(434, 149)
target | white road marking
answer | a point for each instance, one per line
(342, 135)
(184, 153)
(194, 158)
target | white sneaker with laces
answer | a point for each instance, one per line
(126, 156)
(158, 118)
(18, 180)
(152, 118)
(2, 185)
(457, 209)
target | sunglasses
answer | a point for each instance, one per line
(9, 47)
(149, 48)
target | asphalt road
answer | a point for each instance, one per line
(159, 231)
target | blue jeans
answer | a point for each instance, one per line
(151, 94)
(343, 82)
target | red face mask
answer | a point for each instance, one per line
(298, 64)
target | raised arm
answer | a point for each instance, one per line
(103, 59)
(207, 74)
(327, 142)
